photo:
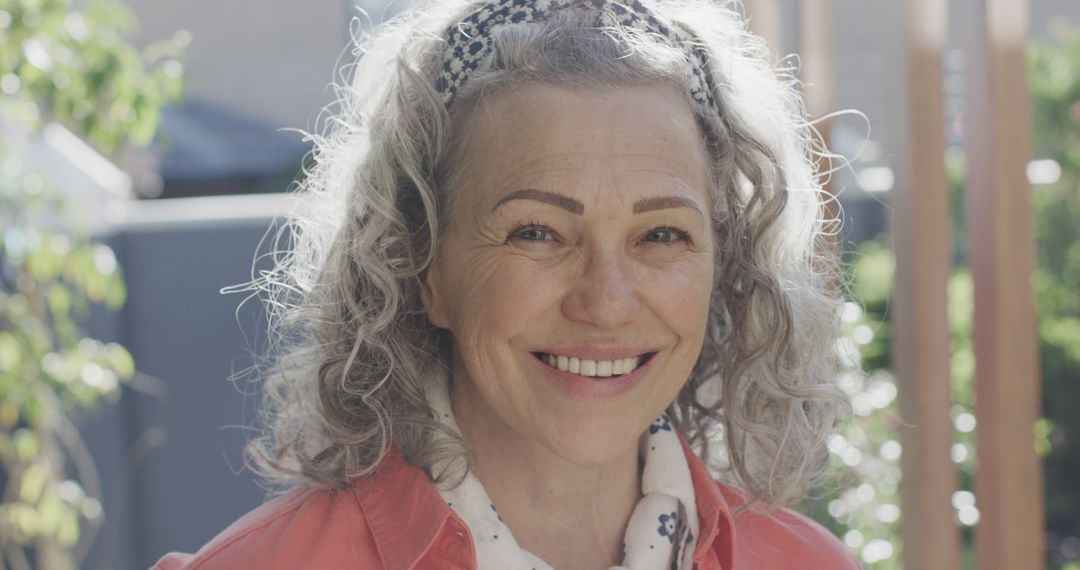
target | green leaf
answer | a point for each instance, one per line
(25, 519)
(33, 410)
(67, 534)
(33, 482)
(26, 445)
(874, 270)
(1065, 333)
(59, 299)
(120, 360)
(115, 294)
(52, 510)
(9, 352)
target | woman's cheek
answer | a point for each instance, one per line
(503, 287)
(524, 287)
(692, 272)
(680, 291)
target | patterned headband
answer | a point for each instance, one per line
(469, 42)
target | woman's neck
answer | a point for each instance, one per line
(572, 516)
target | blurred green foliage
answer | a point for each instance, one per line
(61, 62)
(860, 502)
(1055, 94)
(68, 62)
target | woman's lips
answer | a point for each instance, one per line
(577, 385)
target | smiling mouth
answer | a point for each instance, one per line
(593, 368)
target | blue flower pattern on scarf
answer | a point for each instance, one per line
(668, 524)
(660, 423)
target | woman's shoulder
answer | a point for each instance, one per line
(305, 528)
(783, 538)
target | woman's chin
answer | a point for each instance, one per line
(587, 443)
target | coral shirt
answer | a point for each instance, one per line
(396, 520)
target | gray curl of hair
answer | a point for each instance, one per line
(351, 349)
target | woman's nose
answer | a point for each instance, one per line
(603, 293)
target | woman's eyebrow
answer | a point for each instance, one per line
(576, 207)
(663, 202)
(565, 202)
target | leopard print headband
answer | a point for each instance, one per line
(469, 42)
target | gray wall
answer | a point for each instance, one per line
(169, 453)
(267, 59)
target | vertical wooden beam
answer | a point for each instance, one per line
(1008, 483)
(765, 22)
(921, 355)
(818, 75)
(816, 52)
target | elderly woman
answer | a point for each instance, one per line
(549, 252)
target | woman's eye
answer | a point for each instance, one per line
(666, 235)
(532, 233)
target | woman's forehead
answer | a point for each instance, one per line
(537, 110)
(553, 132)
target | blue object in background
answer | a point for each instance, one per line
(171, 461)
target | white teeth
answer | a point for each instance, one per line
(592, 368)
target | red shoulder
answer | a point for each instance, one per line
(305, 528)
(784, 539)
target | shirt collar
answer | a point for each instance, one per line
(715, 521)
(407, 516)
(404, 511)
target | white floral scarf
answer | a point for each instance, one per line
(660, 535)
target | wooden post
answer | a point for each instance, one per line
(818, 77)
(1008, 483)
(921, 343)
(816, 52)
(764, 21)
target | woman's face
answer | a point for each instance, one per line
(577, 266)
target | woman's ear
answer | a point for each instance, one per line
(431, 298)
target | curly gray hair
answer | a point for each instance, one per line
(351, 347)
